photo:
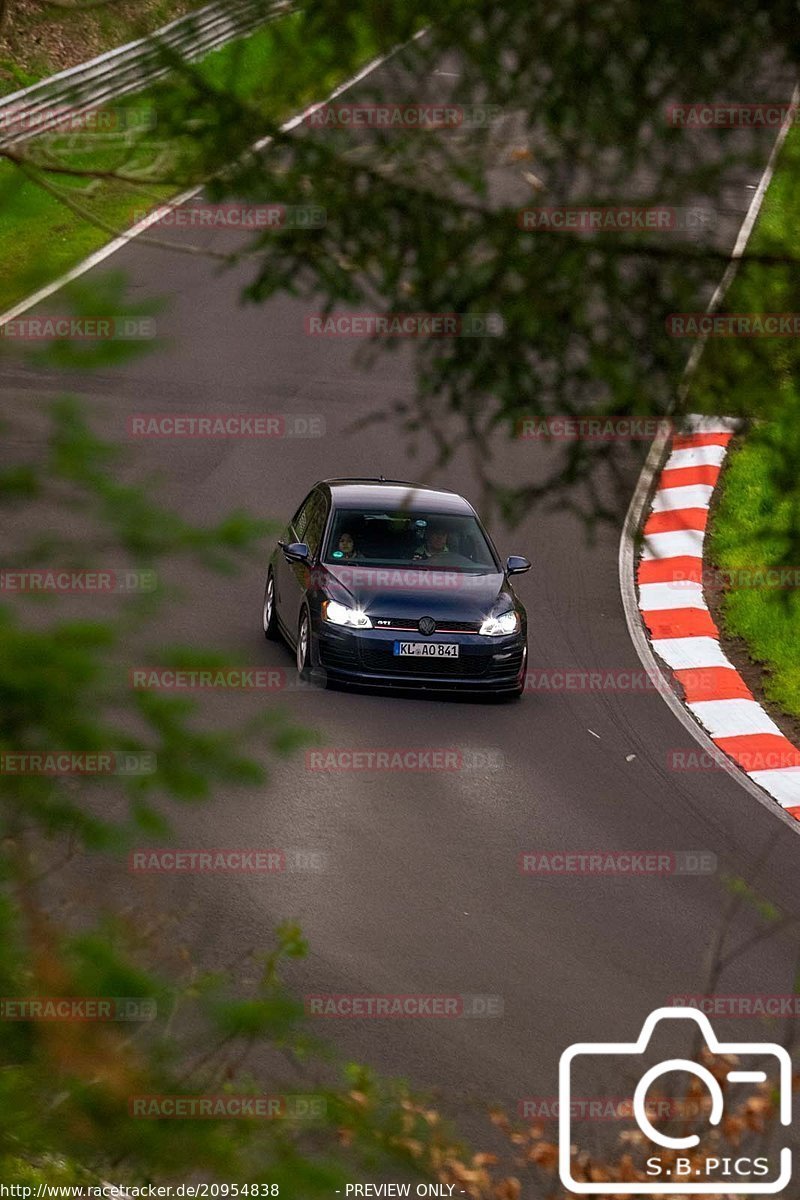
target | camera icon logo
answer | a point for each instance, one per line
(672, 1173)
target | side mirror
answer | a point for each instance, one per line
(516, 564)
(295, 552)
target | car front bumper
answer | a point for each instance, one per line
(366, 657)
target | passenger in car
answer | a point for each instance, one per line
(347, 546)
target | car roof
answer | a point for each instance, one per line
(395, 493)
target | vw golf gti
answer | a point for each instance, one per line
(384, 583)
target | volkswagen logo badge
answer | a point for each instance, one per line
(426, 625)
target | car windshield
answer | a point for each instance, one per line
(377, 537)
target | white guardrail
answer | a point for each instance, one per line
(60, 100)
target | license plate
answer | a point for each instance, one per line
(426, 649)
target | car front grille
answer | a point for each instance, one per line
(384, 660)
(409, 625)
(333, 655)
(506, 666)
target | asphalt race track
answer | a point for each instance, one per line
(422, 891)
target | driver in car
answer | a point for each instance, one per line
(435, 544)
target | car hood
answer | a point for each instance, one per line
(413, 593)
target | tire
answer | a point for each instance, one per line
(303, 650)
(269, 620)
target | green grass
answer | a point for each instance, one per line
(49, 238)
(13, 76)
(755, 527)
(756, 520)
(41, 236)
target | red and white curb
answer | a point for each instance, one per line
(682, 631)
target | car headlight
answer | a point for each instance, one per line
(505, 623)
(340, 614)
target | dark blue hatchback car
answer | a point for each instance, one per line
(387, 584)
